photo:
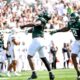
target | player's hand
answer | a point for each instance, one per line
(53, 32)
(22, 27)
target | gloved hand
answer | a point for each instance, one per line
(53, 32)
(22, 27)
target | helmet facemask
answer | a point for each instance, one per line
(74, 17)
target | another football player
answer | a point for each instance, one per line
(74, 26)
(13, 51)
(38, 43)
(2, 52)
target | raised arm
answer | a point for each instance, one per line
(27, 25)
(65, 29)
(31, 24)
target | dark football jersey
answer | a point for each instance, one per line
(38, 31)
(75, 28)
(1, 43)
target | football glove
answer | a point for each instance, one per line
(21, 27)
(53, 32)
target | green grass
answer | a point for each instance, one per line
(60, 74)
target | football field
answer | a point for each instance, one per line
(60, 74)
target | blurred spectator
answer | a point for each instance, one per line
(66, 55)
(69, 8)
(53, 51)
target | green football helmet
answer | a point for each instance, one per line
(74, 17)
(45, 15)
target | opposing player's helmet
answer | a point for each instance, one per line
(74, 17)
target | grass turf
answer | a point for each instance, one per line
(60, 74)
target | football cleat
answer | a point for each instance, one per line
(33, 76)
(78, 74)
(8, 74)
(16, 74)
(51, 76)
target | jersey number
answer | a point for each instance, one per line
(74, 32)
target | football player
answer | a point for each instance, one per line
(13, 48)
(74, 26)
(38, 43)
(2, 52)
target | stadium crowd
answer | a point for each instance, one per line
(17, 13)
